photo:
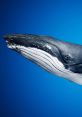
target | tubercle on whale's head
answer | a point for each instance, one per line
(22, 36)
(20, 39)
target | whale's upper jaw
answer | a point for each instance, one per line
(68, 54)
(33, 41)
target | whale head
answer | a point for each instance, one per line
(58, 57)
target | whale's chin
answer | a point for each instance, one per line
(47, 61)
(11, 45)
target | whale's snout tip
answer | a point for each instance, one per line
(5, 37)
(8, 37)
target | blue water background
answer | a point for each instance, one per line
(26, 90)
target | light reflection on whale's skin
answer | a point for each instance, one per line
(58, 57)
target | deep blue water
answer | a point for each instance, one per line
(26, 90)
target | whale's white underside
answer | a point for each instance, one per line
(48, 62)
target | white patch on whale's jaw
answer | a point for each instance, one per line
(11, 46)
(48, 62)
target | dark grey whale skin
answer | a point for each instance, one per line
(68, 53)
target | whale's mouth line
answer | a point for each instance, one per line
(14, 46)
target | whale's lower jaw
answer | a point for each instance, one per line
(48, 62)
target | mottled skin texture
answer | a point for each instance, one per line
(68, 53)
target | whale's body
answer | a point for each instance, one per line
(58, 57)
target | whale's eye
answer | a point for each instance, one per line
(67, 59)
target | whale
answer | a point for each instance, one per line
(56, 56)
